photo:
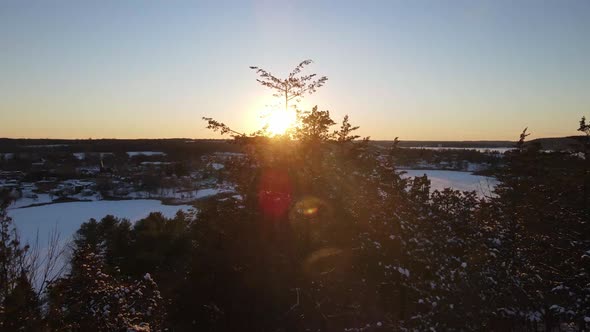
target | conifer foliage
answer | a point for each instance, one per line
(90, 299)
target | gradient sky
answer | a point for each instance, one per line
(444, 70)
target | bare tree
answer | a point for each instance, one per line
(45, 265)
(294, 86)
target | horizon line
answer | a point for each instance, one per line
(230, 138)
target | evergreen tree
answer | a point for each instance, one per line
(22, 308)
(89, 299)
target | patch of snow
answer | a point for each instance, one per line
(403, 271)
(496, 241)
(145, 153)
(202, 193)
(80, 155)
(463, 181)
(217, 166)
(7, 156)
(507, 311)
(534, 316)
(156, 163)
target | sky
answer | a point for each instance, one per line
(417, 70)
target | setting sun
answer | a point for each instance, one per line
(279, 121)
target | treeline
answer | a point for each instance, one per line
(457, 158)
(171, 146)
(327, 236)
(450, 144)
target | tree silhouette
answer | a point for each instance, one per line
(294, 86)
(344, 134)
(584, 127)
(314, 125)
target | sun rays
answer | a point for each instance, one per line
(278, 122)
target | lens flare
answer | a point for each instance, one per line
(309, 206)
(274, 193)
(310, 211)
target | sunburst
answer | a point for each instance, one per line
(278, 122)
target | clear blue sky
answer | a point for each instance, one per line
(446, 70)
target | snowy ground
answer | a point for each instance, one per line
(463, 181)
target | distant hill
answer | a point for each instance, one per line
(557, 143)
(116, 145)
(113, 145)
(450, 144)
(550, 143)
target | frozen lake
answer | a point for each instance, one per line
(463, 181)
(67, 217)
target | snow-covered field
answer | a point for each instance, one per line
(67, 217)
(463, 181)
